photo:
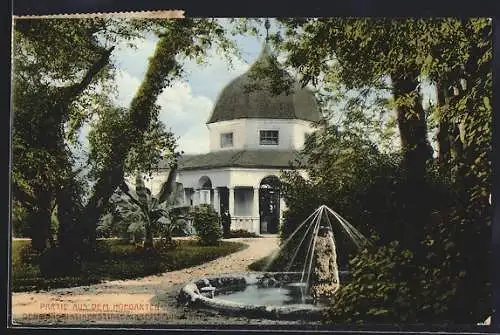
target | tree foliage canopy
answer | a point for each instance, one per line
(437, 206)
(64, 78)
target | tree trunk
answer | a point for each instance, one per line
(71, 233)
(40, 221)
(412, 125)
(104, 189)
(50, 135)
(416, 151)
(69, 210)
(444, 135)
(148, 240)
(141, 111)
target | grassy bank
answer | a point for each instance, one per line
(113, 260)
(259, 264)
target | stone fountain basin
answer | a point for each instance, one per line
(208, 293)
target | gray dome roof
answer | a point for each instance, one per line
(251, 95)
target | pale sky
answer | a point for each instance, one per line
(187, 104)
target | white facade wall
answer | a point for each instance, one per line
(226, 177)
(251, 177)
(191, 178)
(246, 133)
(243, 183)
(154, 182)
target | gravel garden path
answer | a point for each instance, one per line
(139, 301)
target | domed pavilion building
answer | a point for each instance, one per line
(254, 134)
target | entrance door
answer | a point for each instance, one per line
(269, 205)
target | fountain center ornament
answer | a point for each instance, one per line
(314, 238)
(325, 272)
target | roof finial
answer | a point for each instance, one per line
(267, 25)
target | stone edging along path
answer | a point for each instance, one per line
(113, 301)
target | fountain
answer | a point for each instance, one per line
(325, 275)
(309, 274)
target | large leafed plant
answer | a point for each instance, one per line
(162, 213)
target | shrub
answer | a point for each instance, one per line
(457, 266)
(165, 244)
(379, 290)
(391, 285)
(20, 226)
(56, 261)
(207, 224)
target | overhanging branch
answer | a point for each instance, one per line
(71, 92)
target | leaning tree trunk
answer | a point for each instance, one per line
(50, 135)
(67, 199)
(416, 151)
(161, 68)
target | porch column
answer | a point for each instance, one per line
(184, 198)
(231, 202)
(255, 211)
(216, 200)
(196, 197)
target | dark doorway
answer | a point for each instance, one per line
(269, 205)
(224, 210)
(224, 200)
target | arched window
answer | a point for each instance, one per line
(205, 185)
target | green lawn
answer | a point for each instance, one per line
(114, 261)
